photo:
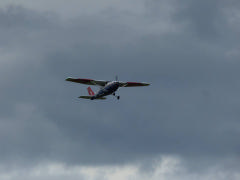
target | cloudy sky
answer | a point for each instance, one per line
(186, 125)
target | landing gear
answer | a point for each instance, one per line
(118, 97)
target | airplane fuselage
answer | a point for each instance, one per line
(108, 89)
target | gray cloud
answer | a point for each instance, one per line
(167, 167)
(191, 108)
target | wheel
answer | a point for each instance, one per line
(118, 97)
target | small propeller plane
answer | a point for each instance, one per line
(106, 87)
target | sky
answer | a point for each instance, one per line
(185, 125)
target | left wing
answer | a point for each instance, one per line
(88, 81)
(133, 84)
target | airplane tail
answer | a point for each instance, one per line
(90, 91)
(91, 95)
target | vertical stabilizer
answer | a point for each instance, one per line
(90, 91)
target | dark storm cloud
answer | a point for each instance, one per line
(191, 108)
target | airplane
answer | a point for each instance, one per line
(106, 87)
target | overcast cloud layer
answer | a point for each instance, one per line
(188, 51)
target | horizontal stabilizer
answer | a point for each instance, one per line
(89, 97)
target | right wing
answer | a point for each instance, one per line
(133, 84)
(88, 81)
(89, 97)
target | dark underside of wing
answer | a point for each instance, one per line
(87, 81)
(82, 81)
(103, 83)
(135, 84)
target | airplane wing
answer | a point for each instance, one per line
(88, 81)
(133, 84)
(89, 97)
